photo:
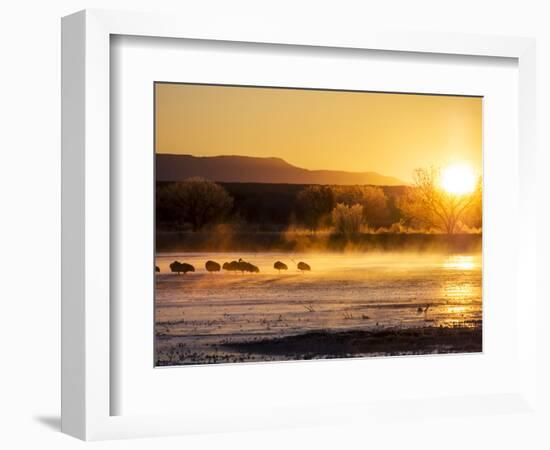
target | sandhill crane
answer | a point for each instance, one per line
(240, 266)
(304, 267)
(280, 266)
(212, 266)
(424, 310)
(178, 267)
(251, 268)
(230, 266)
(245, 266)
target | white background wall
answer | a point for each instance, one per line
(30, 198)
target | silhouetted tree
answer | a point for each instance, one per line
(347, 219)
(196, 201)
(473, 215)
(371, 198)
(428, 204)
(313, 204)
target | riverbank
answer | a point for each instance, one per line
(229, 239)
(466, 338)
(463, 338)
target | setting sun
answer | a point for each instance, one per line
(458, 179)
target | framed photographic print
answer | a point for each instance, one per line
(267, 228)
(304, 227)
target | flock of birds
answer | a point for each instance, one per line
(246, 267)
(233, 266)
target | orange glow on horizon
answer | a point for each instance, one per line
(391, 134)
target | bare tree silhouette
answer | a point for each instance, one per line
(430, 205)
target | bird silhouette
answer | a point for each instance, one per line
(424, 310)
(212, 266)
(179, 267)
(280, 266)
(240, 266)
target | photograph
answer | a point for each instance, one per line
(295, 224)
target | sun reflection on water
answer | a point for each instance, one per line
(460, 263)
(457, 309)
(461, 297)
(458, 291)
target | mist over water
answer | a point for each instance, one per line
(343, 291)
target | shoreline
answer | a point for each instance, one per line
(285, 241)
(388, 342)
(326, 344)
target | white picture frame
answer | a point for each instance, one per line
(87, 386)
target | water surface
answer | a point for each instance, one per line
(197, 312)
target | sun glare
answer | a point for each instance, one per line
(458, 179)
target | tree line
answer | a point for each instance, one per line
(196, 204)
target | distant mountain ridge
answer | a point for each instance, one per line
(249, 169)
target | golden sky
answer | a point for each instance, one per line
(391, 134)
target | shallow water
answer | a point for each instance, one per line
(200, 310)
